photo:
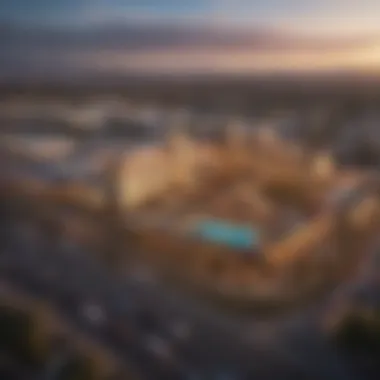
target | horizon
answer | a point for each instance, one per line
(48, 39)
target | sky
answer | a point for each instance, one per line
(47, 37)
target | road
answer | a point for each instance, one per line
(217, 346)
(136, 319)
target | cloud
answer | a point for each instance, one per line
(313, 16)
(159, 48)
(169, 61)
(325, 17)
(136, 37)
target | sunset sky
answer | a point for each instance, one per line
(42, 37)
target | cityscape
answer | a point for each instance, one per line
(189, 191)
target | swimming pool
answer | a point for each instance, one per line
(236, 236)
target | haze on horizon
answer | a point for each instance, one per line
(42, 38)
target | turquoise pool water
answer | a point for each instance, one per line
(226, 233)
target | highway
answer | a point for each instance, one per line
(70, 279)
(140, 316)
